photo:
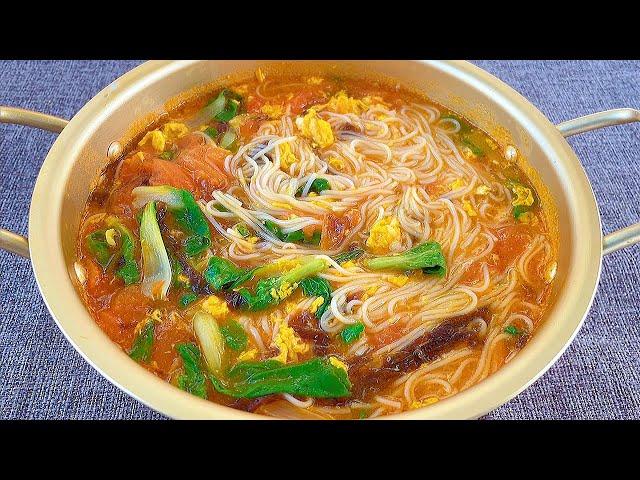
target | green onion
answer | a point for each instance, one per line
(317, 186)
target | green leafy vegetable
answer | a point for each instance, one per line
(512, 330)
(315, 238)
(347, 256)
(351, 333)
(143, 343)
(128, 271)
(211, 132)
(177, 279)
(193, 379)
(317, 287)
(97, 245)
(224, 107)
(234, 335)
(519, 210)
(185, 210)
(167, 155)
(475, 149)
(428, 257)
(465, 127)
(317, 186)
(155, 261)
(222, 274)
(270, 291)
(187, 299)
(296, 236)
(317, 378)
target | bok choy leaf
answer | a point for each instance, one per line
(427, 256)
(184, 209)
(193, 379)
(318, 378)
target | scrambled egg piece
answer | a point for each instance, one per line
(287, 157)
(336, 163)
(174, 130)
(466, 206)
(423, 403)
(155, 138)
(111, 236)
(342, 103)
(216, 307)
(523, 195)
(283, 291)
(158, 138)
(316, 304)
(286, 206)
(139, 156)
(398, 280)
(370, 291)
(458, 183)
(290, 307)
(384, 234)
(287, 342)
(248, 355)
(528, 218)
(239, 120)
(482, 190)
(274, 111)
(348, 265)
(315, 128)
(315, 80)
(336, 362)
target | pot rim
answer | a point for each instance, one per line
(55, 285)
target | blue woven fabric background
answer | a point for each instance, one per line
(598, 377)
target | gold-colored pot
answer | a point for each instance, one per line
(80, 151)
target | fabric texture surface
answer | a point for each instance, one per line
(598, 377)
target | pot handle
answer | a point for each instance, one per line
(630, 235)
(10, 241)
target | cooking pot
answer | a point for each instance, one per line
(87, 140)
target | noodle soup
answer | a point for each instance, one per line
(317, 247)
